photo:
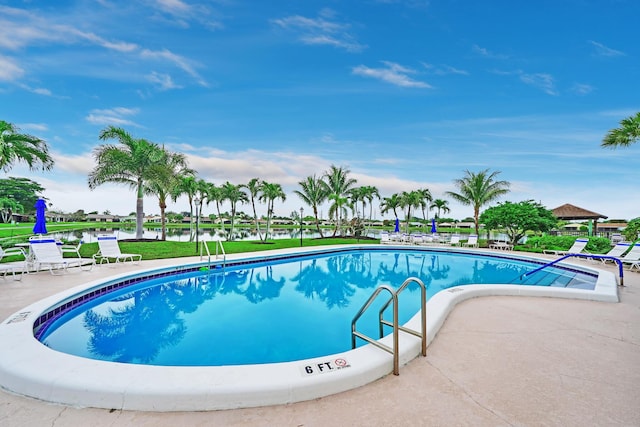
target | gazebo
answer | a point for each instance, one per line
(569, 212)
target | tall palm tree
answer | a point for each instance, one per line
(254, 187)
(364, 194)
(409, 200)
(234, 194)
(478, 189)
(20, 147)
(625, 135)
(188, 186)
(269, 194)
(164, 178)
(427, 198)
(215, 194)
(338, 184)
(390, 204)
(313, 193)
(440, 205)
(125, 164)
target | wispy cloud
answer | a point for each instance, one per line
(118, 116)
(444, 69)
(177, 60)
(20, 29)
(581, 89)
(323, 30)
(393, 73)
(602, 50)
(162, 81)
(541, 81)
(9, 69)
(183, 13)
(487, 53)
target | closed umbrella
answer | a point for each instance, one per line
(434, 229)
(40, 227)
(397, 229)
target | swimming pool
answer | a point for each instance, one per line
(35, 370)
(281, 311)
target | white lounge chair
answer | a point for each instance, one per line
(13, 266)
(617, 251)
(110, 250)
(472, 242)
(455, 240)
(384, 238)
(577, 247)
(632, 257)
(71, 249)
(47, 254)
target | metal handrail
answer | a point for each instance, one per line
(393, 350)
(423, 314)
(221, 248)
(596, 256)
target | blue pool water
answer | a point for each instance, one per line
(279, 311)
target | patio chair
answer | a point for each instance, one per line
(13, 266)
(577, 247)
(632, 257)
(71, 249)
(472, 242)
(384, 238)
(110, 250)
(617, 251)
(46, 253)
(455, 240)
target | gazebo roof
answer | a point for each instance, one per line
(568, 211)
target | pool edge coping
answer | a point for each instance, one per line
(70, 380)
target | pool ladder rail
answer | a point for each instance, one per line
(219, 248)
(393, 301)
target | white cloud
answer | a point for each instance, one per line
(602, 50)
(487, 53)
(9, 69)
(177, 60)
(541, 81)
(581, 89)
(115, 116)
(163, 81)
(320, 31)
(393, 73)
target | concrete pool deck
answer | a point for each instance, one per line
(489, 365)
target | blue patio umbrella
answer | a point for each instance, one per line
(397, 229)
(40, 227)
(433, 225)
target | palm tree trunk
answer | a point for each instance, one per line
(163, 221)
(139, 212)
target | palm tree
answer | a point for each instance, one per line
(126, 164)
(213, 193)
(188, 186)
(338, 185)
(440, 205)
(270, 193)
(364, 194)
(625, 135)
(478, 189)
(234, 194)
(254, 187)
(313, 193)
(390, 204)
(425, 202)
(408, 200)
(20, 147)
(164, 178)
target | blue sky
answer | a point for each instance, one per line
(407, 94)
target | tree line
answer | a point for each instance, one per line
(151, 169)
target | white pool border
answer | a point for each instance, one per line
(29, 368)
